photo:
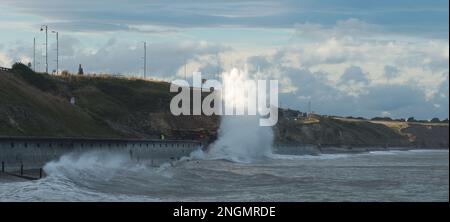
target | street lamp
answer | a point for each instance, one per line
(46, 48)
(57, 51)
(34, 54)
(145, 59)
(185, 73)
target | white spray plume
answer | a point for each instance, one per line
(240, 137)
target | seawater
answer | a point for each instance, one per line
(417, 175)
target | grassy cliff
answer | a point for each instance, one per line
(332, 131)
(35, 104)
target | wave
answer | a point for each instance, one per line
(93, 176)
(106, 176)
(307, 157)
(395, 152)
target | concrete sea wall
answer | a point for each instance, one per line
(35, 152)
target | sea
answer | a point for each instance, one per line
(414, 175)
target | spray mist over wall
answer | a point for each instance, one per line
(240, 137)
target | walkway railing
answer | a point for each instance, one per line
(4, 69)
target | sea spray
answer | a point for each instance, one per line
(90, 164)
(240, 137)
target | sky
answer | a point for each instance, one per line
(348, 57)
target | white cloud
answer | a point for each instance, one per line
(5, 61)
(351, 68)
(411, 69)
(386, 113)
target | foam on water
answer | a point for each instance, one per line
(308, 157)
(102, 176)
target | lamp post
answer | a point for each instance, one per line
(46, 46)
(145, 60)
(34, 54)
(185, 74)
(57, 51)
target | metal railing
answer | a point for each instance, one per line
(28, 174)
(4, 69)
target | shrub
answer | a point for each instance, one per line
(65, 73)
(38, 80)
(18, 66)
(382, 119)
(435, 120)
(411, 119)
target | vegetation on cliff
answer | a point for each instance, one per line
(36, 104)
(338, 131)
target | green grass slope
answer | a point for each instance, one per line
(35, 104)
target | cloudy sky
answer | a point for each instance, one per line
(349, 57)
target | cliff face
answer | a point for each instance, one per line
(334, 132)
(421, 135)
(33, 104)
(329, 131)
